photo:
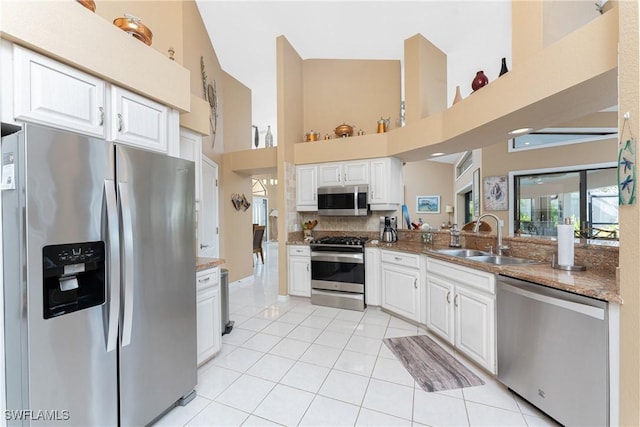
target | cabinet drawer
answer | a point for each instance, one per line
(207, 278)
(473, 278)
(400, 258)
(299, 250)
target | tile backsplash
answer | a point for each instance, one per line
(347, 223)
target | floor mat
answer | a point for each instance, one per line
(430, 365)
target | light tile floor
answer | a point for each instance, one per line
(292, 363)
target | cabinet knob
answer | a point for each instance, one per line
(307, 268)
(455, 300)
(415, 283)
(398, 258)
(203, 246)
(206, 279)
(101, 115)
(120, 122)
(449, 297)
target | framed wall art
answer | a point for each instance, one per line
(495, 193)
(428, 204)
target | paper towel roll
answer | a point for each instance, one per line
(565, 244)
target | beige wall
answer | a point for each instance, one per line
(290, 130)
(237, 115)
(197, 44)
(355, 92)
(428, 178)
(425, 78)
(629, 101)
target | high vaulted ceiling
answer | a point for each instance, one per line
(475, 35)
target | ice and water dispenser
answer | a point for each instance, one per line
(74, 277)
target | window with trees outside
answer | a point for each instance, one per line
(588, 197)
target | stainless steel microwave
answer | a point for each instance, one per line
(350, 200)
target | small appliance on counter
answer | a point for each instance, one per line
(388, 229)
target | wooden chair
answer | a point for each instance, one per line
(258, 235)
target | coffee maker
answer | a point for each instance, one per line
(388, 229)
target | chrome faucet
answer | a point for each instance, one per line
(476, 228)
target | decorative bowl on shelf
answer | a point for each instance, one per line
(311, 136)
(132, 25)
(344, 130)
(89, 4)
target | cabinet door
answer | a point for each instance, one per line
(208, 314)
(355, 173)
(329, 174)
(379, 184)
(372, 276)
(400, 292)
(54, 94)
(386, 186)
(440, 318)
(306, 188)
(138, 121)
(475, 326)
(300, 276)
(191, 149)
(208, 228)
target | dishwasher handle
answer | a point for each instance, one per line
(528, 290)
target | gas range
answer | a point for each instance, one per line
(337, 272)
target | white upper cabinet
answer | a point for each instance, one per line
(138, 121)
(307, 188)
(343, 173)
(50, 93)
(385, 189)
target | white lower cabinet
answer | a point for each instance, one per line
(208, 313)
(461, 309)
(401, 284)
(372, 276)
(299, 262)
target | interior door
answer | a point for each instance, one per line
(208, 228)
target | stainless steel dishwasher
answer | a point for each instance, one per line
(553, 350)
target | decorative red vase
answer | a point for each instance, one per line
(480, 81)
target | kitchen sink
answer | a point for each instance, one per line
(462, 252)
(501, 260)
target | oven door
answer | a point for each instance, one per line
(337, 271)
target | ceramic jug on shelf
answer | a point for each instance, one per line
(383, 124)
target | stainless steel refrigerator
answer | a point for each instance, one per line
(99, 277)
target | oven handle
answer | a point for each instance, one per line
(337, 257)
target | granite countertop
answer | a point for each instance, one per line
(591, 283)
(207, 263)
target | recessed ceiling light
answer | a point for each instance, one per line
(437, 154)
(520, 131)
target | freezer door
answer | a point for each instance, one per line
(59, 371)
(158, 327)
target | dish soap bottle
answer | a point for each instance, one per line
(454, 242)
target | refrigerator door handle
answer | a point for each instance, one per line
(127, 259)
(113, 285)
